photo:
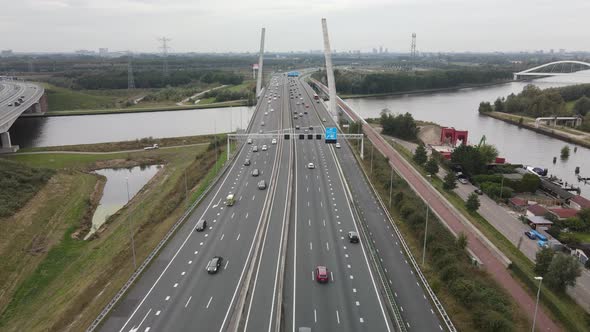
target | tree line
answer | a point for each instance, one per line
(348, 82)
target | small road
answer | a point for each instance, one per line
(108, 152)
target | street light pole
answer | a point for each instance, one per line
(425, 233)
(372, 148)
(537, 303)
(390, 186)
(502, 186)
(130, 226)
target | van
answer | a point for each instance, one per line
(230, 200)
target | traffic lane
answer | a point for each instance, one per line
(151, 276)
(261, 305)
(405, 285)
(417, 310)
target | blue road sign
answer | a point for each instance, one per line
(331, 133)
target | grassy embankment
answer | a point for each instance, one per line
(19, 183)
(63, 101)
(51, 281)
(564, 133)
(474, 301)
(559, 305)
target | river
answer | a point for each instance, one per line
(459, 109)
(452, 108)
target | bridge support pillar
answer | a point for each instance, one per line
(6, 144)
(363, 148)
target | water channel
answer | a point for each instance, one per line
(459, 109)
(453, 108)
(122, 185)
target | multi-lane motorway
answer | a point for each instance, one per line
(272, 240)
(10, 106)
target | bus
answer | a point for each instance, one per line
(539, 235)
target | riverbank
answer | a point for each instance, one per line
(44, 265)
(138, 109)
(570, 136)
(426, 91)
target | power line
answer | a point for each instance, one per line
(130, 79)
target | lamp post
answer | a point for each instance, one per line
(130, 226)
(390, 186)
(537, 303)
(502, 187)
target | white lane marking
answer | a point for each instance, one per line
(167, 298)
(225, 267)
(331, 276)
(246, 215)
(190, 262)
(315, 316)
(354, 290)
(310, 246)
(144, 317)
(253, 196)
(222, 236)
(307, 203)
(147, 329)
(187, 302)
(196, 252)
(238, 237)
(362, 320)
(348, 265)
(327, 246)
(337, 317)
(158, 313)
(206, 235)
(402, 308)
(358, 303)
(208, 303)
(183, 273)
(321, 204)
(324, 222)
(351, 277)
(232, 215)
(214, 220)
(312, 276)
(175, 285)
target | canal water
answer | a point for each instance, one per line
(86, 129)
(115, 193)
(459, 109)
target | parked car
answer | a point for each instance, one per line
(478, 191)
(530, 235)
(321, 274)
(214, 264)
(463, 180)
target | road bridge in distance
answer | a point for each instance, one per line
(16, 98)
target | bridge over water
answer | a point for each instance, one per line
(557, 68)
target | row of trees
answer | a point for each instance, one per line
(348, 82)
(399, 125)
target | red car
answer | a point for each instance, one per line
(321, 274)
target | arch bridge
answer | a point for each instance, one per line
(557, 68)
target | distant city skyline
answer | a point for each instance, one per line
(234, 26)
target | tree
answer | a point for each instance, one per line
(543, 260)
(499, 105)
(485, 107)
(563, 271)
(488, 152)
(461, 241)
(582, 106)
(565, 152)
(450, 181)
(469, 158)
(472, 203)
(420, 155)
(431, 166)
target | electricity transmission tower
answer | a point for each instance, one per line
(164, 49)
(413, 46)
(130, 80)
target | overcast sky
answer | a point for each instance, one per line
(234, 25)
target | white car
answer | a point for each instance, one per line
(337, 145)
(262, 124)
(310, 166)
(264, 147)
(274, 141)
(272, 109)
(249, 141)
(463, 180)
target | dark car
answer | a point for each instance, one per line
(247, 162)
(321, 274)
(214, 264)
(201, 225)
(478, 191)
(353, 237)
(310, 127)
(530, 235)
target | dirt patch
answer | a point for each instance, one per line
(429, 134)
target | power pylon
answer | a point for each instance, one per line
(413, 46)
(130, 79)
(164, 49)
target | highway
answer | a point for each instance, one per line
(10, 92)
(272, 240)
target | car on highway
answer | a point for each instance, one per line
(337, 145)
(261, 131)
(10, 104)
(265, 113)
(255, 148)
(255, 172)
(306, 106)
(274, 141)
(353, 237)
(321, 274)
(262, 185)
(201, 225)
(247, 162)
(230, 200)
(323, 119)
(310, 127)
(530, 235)
(264, 147)
(214, 264)
(310, 166)
(297, 127)
(262, 124)
(249, 141)
(463, 180)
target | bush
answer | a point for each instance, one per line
(472, 203)
(450, 181)
(420, 156)
(402, 126)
